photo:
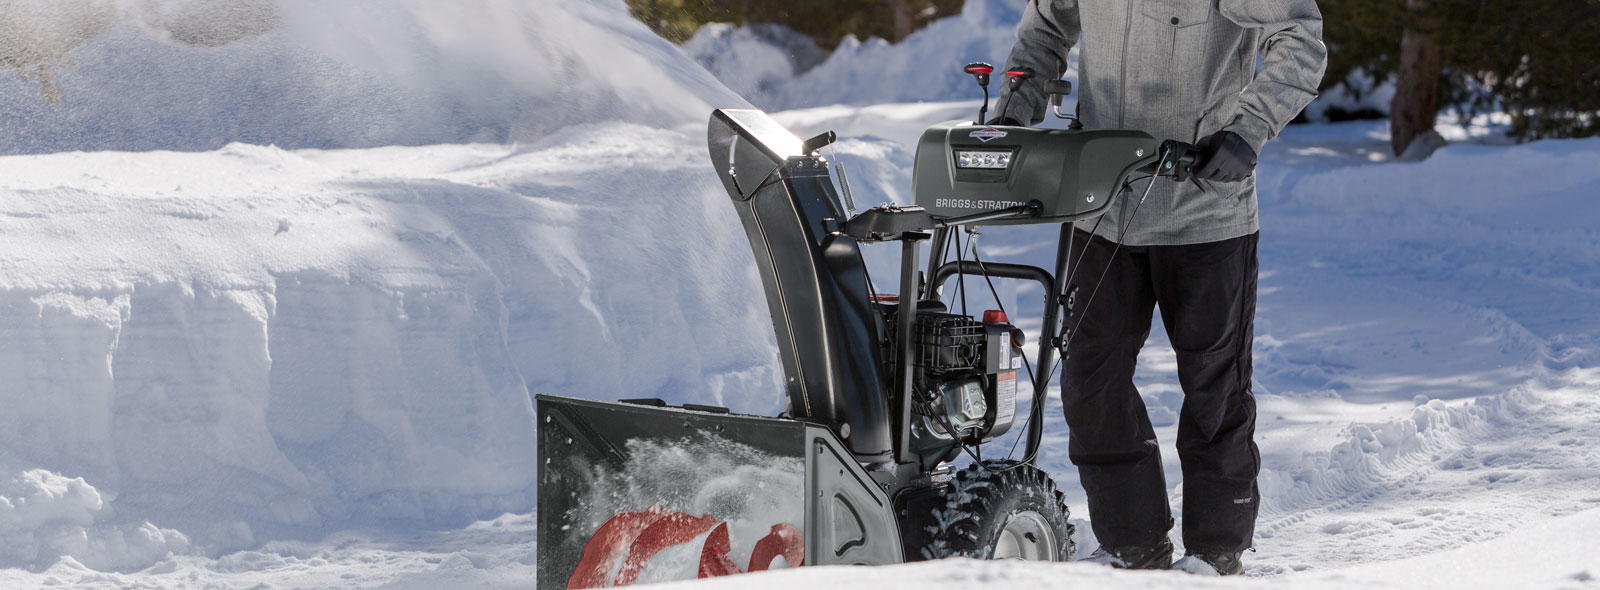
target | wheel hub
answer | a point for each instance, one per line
(1027, 536)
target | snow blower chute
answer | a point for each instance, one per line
(883, 391)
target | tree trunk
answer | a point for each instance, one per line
(1416, 97)
(901, 12)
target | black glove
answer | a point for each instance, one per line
(1004, 120)
(1226, 158)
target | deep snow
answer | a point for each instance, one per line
(297, 367)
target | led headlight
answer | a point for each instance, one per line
(983, 159)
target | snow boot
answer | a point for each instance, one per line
(1156, 557)
(1211, 564)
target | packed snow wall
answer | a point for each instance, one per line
(197, 74)
(208, 351)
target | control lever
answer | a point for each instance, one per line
(1178, 160)
(811, 146)
(1059, 90)
(1014, 79)
(1016, 76)
(980, 71)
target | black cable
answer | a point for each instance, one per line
(975, 452)
(1074, 267)
(961, 277)
(1038, 395)
(1122, 233)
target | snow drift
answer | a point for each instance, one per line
(289, 342)
(198, 74)
(251, 343)
(924, 67)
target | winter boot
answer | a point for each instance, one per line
(1211, 564)
(1157, 557)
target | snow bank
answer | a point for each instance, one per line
(249, 343)
(1525, 182)
(756, 60)
(287, 343)
(924, 67)
(44, 515)
(1358, 96)
(1375, 456)
(198, 74)
(777, 69)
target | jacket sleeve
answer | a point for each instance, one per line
(1293, 59)
(1048, 31)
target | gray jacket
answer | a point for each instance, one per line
(1177, 69)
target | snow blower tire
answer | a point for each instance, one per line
(1009, 512)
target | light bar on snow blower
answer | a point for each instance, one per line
(988, 159)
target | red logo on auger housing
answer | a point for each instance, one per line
(632, 538)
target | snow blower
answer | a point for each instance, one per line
(884, 391)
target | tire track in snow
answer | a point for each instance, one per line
(1445, 476)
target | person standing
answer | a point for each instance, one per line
(1226, 75)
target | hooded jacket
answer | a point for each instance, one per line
(1177, 69)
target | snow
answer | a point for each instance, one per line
(1556, 554)
(756, 60)
(250, 343)
(277, 280)
(751, 491)
(44, 515)
(355, 333)
(195, 75)
(863, 72)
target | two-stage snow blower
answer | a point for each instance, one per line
(884, 392)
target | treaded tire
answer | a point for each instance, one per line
(967, 518)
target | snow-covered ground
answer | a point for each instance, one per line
(253, 366)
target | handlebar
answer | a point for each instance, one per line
(1176, 159)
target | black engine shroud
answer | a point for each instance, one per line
(1074, 173)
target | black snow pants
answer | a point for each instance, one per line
(1207, 296)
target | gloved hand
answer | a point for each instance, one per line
(1226, 158)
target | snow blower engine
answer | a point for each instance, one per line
(885, 392)
(966, 371)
